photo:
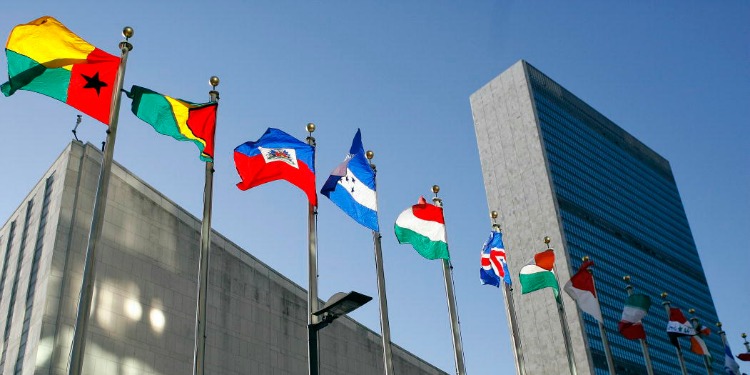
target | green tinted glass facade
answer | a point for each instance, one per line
(619, 204)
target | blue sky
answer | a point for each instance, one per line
(674, 74)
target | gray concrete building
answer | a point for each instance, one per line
(554, 166)
(143, 316)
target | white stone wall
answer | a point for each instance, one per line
(518, 186)
(143, 316)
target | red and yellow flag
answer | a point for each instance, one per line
(47, 58)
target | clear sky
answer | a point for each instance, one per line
(675, 74)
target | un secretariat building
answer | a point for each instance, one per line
(552, 165)
(143, 316)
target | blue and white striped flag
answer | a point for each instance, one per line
(351, 186)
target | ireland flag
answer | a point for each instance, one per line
(423, 226)
(538, 273)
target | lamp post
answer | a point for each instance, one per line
(338, 305)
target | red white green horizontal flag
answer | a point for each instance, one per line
(423, 226)
(538, 273)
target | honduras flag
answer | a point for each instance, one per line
(351, 186)
(494, 267)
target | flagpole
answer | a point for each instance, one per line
(602, 331)
(644, 343)
(563, 321)
(312, 275)
(680, 358)
(510, 313)
(747, 344)
(696, 324)
(78, 346)
(199, 357)
(450, 295)
(385, 326)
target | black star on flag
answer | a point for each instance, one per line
(94, 83)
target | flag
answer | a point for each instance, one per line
(581, 289)
(47, 58)
(678, 326)
(636, 307)
(423, 226)
(730, 365)
(177, 118)
(697, 345)
(744, 356)
(351, 186)
(277, 156)
(538, 273)
(494, 267)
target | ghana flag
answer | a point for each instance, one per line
(177, 118)
(47, 58)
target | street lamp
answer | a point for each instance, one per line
(339, 304)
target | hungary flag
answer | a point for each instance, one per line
(177, 118)
(47, 58)
(538, 273)
(423, 226)
(636, 307)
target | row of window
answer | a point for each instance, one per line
(31, 288)
(16, 276)
(636, 198)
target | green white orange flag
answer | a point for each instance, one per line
(177, 118)
(538, 273)
(47, 58)
(423, 226)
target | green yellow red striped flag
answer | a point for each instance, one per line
(47, 58)
(177, 118)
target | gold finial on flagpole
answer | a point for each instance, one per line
(310, 129)
(369, 155)
(547, 240)
(127, 32)
(585, 258)
(691, 311)
(495, 225)
(626, 278)
(666, 302)
(436, 200)
(213, 95)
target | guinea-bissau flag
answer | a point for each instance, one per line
(177, 118)
(47, 58)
